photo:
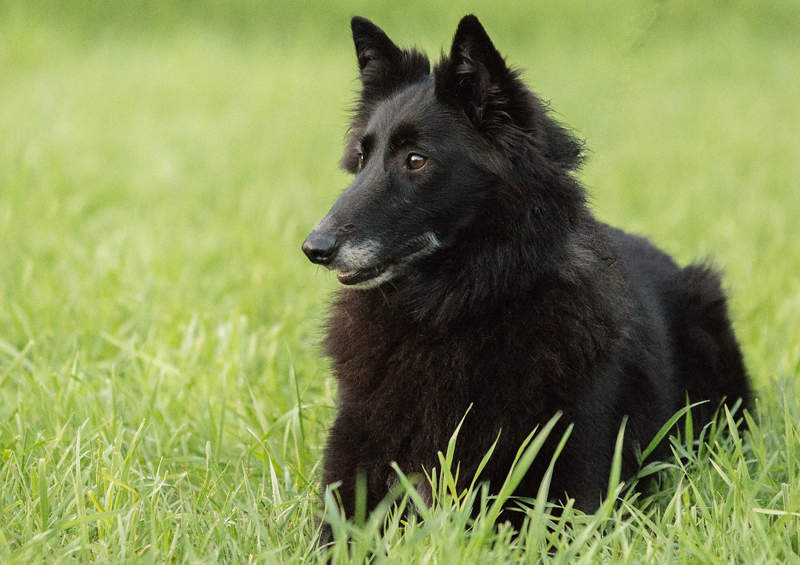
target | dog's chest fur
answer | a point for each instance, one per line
(404, 385)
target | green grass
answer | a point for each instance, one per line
(162, 393)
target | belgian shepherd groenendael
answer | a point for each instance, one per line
(475, 274)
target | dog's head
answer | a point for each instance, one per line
(429, 152)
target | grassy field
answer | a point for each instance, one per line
(162, 393)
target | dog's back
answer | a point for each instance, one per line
(688, 314)
(693, 305)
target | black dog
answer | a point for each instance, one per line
(474, 273)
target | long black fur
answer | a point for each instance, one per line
(530, 306)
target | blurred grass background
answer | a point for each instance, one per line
(161, 162)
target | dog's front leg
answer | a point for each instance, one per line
(340, 469)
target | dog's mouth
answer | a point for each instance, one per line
(361, 276)
(375, 275)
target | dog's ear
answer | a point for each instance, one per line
(376, 53)
(475, 78)
(382, 65)
(475, 75)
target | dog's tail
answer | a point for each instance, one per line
(710, 360)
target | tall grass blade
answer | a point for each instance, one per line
(664, 430)
(522, 462)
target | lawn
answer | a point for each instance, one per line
(163, 396)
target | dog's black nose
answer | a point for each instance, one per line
(320, 247)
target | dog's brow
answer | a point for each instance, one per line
(404, 133)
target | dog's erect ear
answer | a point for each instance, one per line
(383, 66)
(475, 75)
(475, 78)
(375, 51)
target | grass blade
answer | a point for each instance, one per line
(664, 430)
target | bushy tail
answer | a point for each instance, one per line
(708, 354)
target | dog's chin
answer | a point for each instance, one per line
(364, 279)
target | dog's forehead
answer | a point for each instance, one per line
(409, 105)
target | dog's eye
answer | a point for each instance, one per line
(415, 161)
(360, 161)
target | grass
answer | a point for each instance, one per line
(162, 394)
